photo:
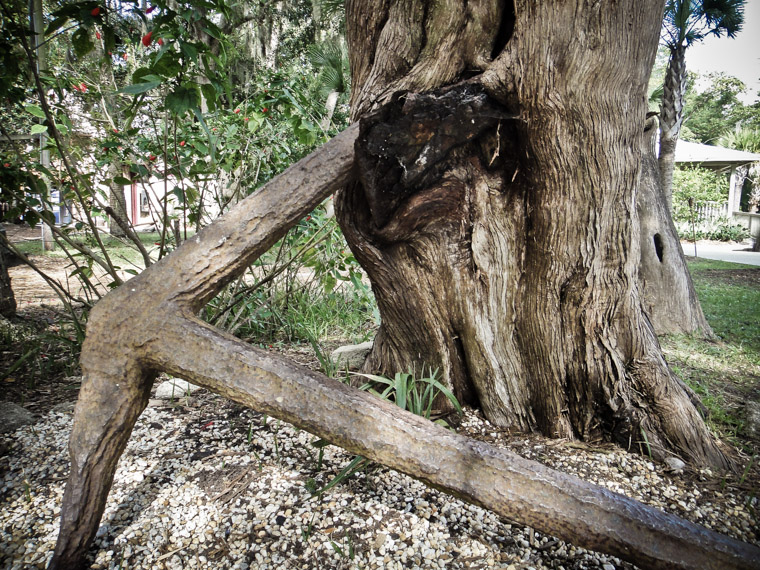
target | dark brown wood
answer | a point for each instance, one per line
(7, 298)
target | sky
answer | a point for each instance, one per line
(739, 57)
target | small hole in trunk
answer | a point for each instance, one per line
(659, 247)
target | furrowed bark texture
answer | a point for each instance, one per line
(503, 250)
(149, 325)
(667, 291)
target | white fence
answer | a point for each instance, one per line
(710, 211)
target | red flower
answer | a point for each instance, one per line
(116, 130)
(237, 111)
(95, 11)
(181, 143)
(264, 110)
(152, 157)
(160, 41)
(97, 35)
(82, 87)
(149, 10)
(246, 119)
(125, 57)
(147, 39)
(7, 164)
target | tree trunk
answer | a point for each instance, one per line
(7, 298)
(497, 224)
(671, 117)
(117, 201)
(667, 291)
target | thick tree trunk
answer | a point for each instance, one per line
(671, 117)
(498, 227)
(667, 291)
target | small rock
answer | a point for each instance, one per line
(13, 416)
(609, 566)
(752, 419)
(63, 408)
(379, 540)
(675, 464)
(175, 388)
(351, 356)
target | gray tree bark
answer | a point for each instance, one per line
(496, 219)
(667, 291)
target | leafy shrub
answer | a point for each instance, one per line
(725, 231)
(720, 230)
(702, 185)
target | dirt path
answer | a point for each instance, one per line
(29, 287)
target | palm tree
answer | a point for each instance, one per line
(331, 59)
(685, 23)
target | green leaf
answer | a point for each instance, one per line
(56, 24)
(82, 42)
(209, 94)
(189, 50)
(329, 282)
(35, 110)
(109, 40)
(122, 181)
(38, 129)
(137, 88)
(48, 216)
(181, 100)
(168, 65)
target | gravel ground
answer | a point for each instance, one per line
(205, 483)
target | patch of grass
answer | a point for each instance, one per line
(725, 373)
(117, 248)
(731, 302)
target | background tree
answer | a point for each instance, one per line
(687, 22)
(713, 112)
(496, 222)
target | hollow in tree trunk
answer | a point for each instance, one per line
(667, 291)
(499, 159)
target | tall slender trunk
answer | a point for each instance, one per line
(7, 298)
(671, 118)
(117, 200)
(498, 224)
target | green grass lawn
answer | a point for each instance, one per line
(725, 372)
